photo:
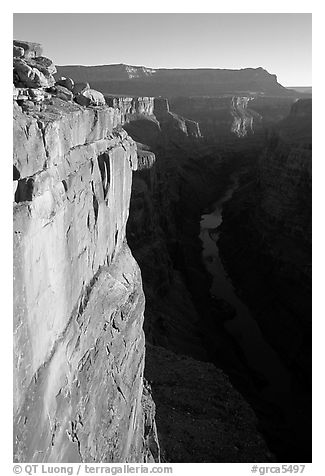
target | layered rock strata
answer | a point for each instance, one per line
(78, 302)
(129, 80)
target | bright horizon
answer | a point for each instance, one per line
(277, 42)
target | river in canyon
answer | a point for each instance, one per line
(276, 395)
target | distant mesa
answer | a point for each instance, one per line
(142, 81)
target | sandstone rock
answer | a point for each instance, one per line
(132, 109)
(80, 88)
(31, 77)
(65, 82)
(43, 64)
(31, 50)
(90, 97)
(18, 52)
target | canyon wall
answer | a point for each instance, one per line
(270, 259)
(178, 175)
(222, 117)
(79, 347)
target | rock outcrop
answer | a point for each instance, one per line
(34, 81)
(79, 347)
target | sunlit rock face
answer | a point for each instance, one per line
(131, 108)
(78, 300)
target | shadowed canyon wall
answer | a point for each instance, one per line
(186, 175)
(272, 252)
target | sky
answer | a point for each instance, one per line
(279, 42)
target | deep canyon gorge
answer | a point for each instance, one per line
(162, 264)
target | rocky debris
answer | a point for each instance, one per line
(90, 97)
(65, 82)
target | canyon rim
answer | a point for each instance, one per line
(162, 247)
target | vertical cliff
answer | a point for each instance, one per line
(78, 301)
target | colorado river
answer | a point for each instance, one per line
(243, 327)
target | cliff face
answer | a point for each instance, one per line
(131, 108)
(141, 81)
(78, 300)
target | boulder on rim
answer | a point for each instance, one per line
(65, 82)
(90, 97)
